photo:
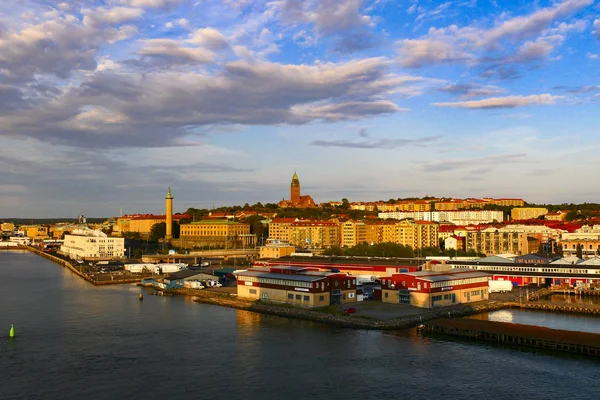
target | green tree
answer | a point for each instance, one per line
(138, 253)
(345, 204)
(159, 231)
(257, 226)
(579, 251)
(572, 215)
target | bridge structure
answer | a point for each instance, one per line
(194, 257)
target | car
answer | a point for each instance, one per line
(350, 310)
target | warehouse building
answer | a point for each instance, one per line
(298, 286)
(429, 289)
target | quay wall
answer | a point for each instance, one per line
(73, 269)
(326, 316)
(517, 334)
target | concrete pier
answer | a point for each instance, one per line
(516, 334)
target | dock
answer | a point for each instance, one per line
(516, 334)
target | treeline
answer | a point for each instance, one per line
(396, 250)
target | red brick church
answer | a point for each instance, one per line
(296, 200)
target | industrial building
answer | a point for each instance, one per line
(298, 286)
(430, 289)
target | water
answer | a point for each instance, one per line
(564, 321)
(76, 341)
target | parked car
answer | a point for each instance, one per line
(350, 310)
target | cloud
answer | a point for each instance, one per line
(578, 89)
(596, 31)
(61, 45)
(503, 102)
(344, 111)
(520, 28)
(110, 16)
(473, 45)
(151, 3)
(414, 53)
(471, 90)
(591, 56)
(344, 22)
(327, 16)
(210, 38)
(379, 143)
(477, 163)
(174, 51)
(121, 108)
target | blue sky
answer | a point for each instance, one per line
(104, 104)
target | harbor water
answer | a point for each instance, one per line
(77, 341)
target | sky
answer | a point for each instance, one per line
(104, 104)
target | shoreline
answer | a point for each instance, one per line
(337, 318)
(86, 277)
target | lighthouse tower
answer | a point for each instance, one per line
(169, 215)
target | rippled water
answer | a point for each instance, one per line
(76, 341)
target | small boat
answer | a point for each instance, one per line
(141, 297)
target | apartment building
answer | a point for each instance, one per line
(381, 232)
(524, 213)
(279, 229)
(417, 234)
(320, 234)
(353, 233)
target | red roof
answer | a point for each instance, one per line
(313, 223)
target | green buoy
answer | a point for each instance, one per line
(11, 334)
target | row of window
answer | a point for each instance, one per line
(281, 282)
(530, 269)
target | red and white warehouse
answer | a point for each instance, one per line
(299, 286)
(429, 289)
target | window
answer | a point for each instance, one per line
(306, 298)
(321, 298)
(385, 295)
(290, 296)
(298, 297)
(252, 291)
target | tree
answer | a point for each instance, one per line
(345, 204)
(257, 227)
(138, 253)
(572, 215)
(159, 231)
(579, 251)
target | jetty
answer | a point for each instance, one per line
(516, 334)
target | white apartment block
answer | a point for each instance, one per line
(456, 217)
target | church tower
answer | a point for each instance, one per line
(169, 215)
(295, 190)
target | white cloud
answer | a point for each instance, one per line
(210, 38)
(503, 102)
(110, 16)
(472, 44)
(422, 52)
(151, 3)
(591, 56)
(596, 31)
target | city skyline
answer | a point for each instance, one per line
(105, 104)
